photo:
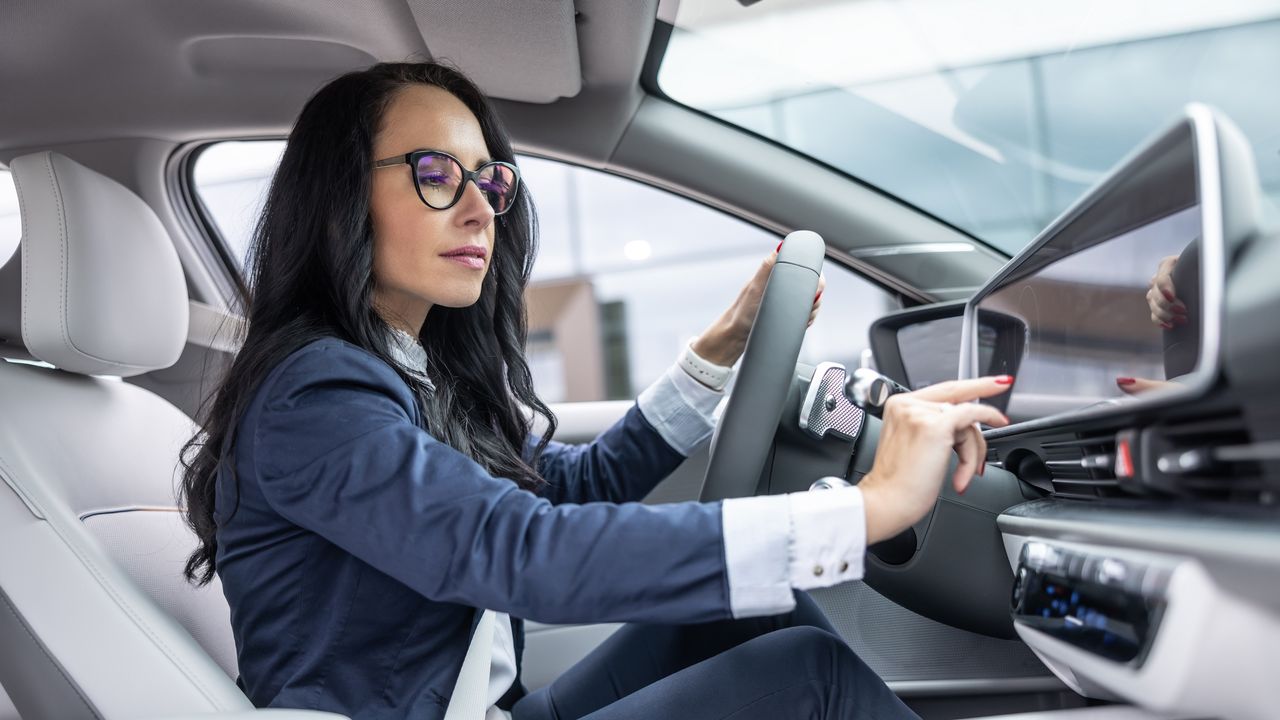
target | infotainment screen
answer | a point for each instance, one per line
(1107, 305)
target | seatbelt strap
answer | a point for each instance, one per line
(472, 688)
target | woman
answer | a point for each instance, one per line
(367, 480)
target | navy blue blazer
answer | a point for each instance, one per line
(354, 548)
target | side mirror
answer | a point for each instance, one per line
(921, 345)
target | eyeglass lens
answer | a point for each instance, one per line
(440, 180)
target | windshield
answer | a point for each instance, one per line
(992, 115)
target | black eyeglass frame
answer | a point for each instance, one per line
(411, 159)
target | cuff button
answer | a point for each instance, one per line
(817, 570)
(844, 567)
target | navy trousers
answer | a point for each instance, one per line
(775, 668)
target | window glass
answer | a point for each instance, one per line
(993, 115)
(10, 220)
(625, 275)
(231, 179)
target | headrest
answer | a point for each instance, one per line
(102, 289)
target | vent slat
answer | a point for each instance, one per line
(1082, 442)
(1206, 459)
(1230, 473)
(1230, 424)
(1089, 482)
(1080, 467)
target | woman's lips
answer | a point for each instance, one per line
(472, 256)
(470, 261)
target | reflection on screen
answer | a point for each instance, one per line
(930, 351)
(1094, 325)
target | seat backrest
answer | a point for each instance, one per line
(95, 618)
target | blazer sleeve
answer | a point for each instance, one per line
(332, 442)
(621, 465)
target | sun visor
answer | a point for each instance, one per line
(525, 51)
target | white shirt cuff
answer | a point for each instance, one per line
(681, 409)
(757, 531)
(803, 540)
(828, 537)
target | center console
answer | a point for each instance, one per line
(1104, 603)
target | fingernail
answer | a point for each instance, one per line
(1169, 296)
(780, 250)
(982, 469)
(818, 297)
(1166, 326)
(1125, 381)
(1004, 380)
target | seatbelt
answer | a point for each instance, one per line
(472, 688)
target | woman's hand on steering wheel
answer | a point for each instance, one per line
(920, 430)
(724, 340)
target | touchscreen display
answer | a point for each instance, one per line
(1107, 308)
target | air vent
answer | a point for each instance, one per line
(1211, 458)
(1081, 466)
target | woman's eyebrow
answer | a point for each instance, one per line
(471, 166)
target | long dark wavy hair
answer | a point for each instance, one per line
(310, 276)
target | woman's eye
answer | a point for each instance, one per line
(433, 179)
(492, 186)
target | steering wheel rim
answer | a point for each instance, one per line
(741, 440)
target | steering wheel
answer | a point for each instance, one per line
(742, 438)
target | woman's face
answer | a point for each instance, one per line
(410, 240)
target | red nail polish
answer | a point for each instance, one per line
(1125, 381)
(982, 469)
(818, 297)
(779, 247)
(1166, 326)
(1169, 296)
(1004, 380)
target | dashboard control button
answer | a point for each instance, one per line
(1112, 572)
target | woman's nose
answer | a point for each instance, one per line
(474, 206)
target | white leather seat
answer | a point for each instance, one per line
(92, 602)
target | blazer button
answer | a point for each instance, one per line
(817, 570)
(844, 567)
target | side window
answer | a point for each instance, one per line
(10, 220)
(231, 180)
(625, 274)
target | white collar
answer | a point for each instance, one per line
(408, 351)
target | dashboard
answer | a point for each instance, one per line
(1148, 571)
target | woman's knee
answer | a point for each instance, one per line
(809, 644)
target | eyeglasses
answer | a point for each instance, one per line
(440, 179)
